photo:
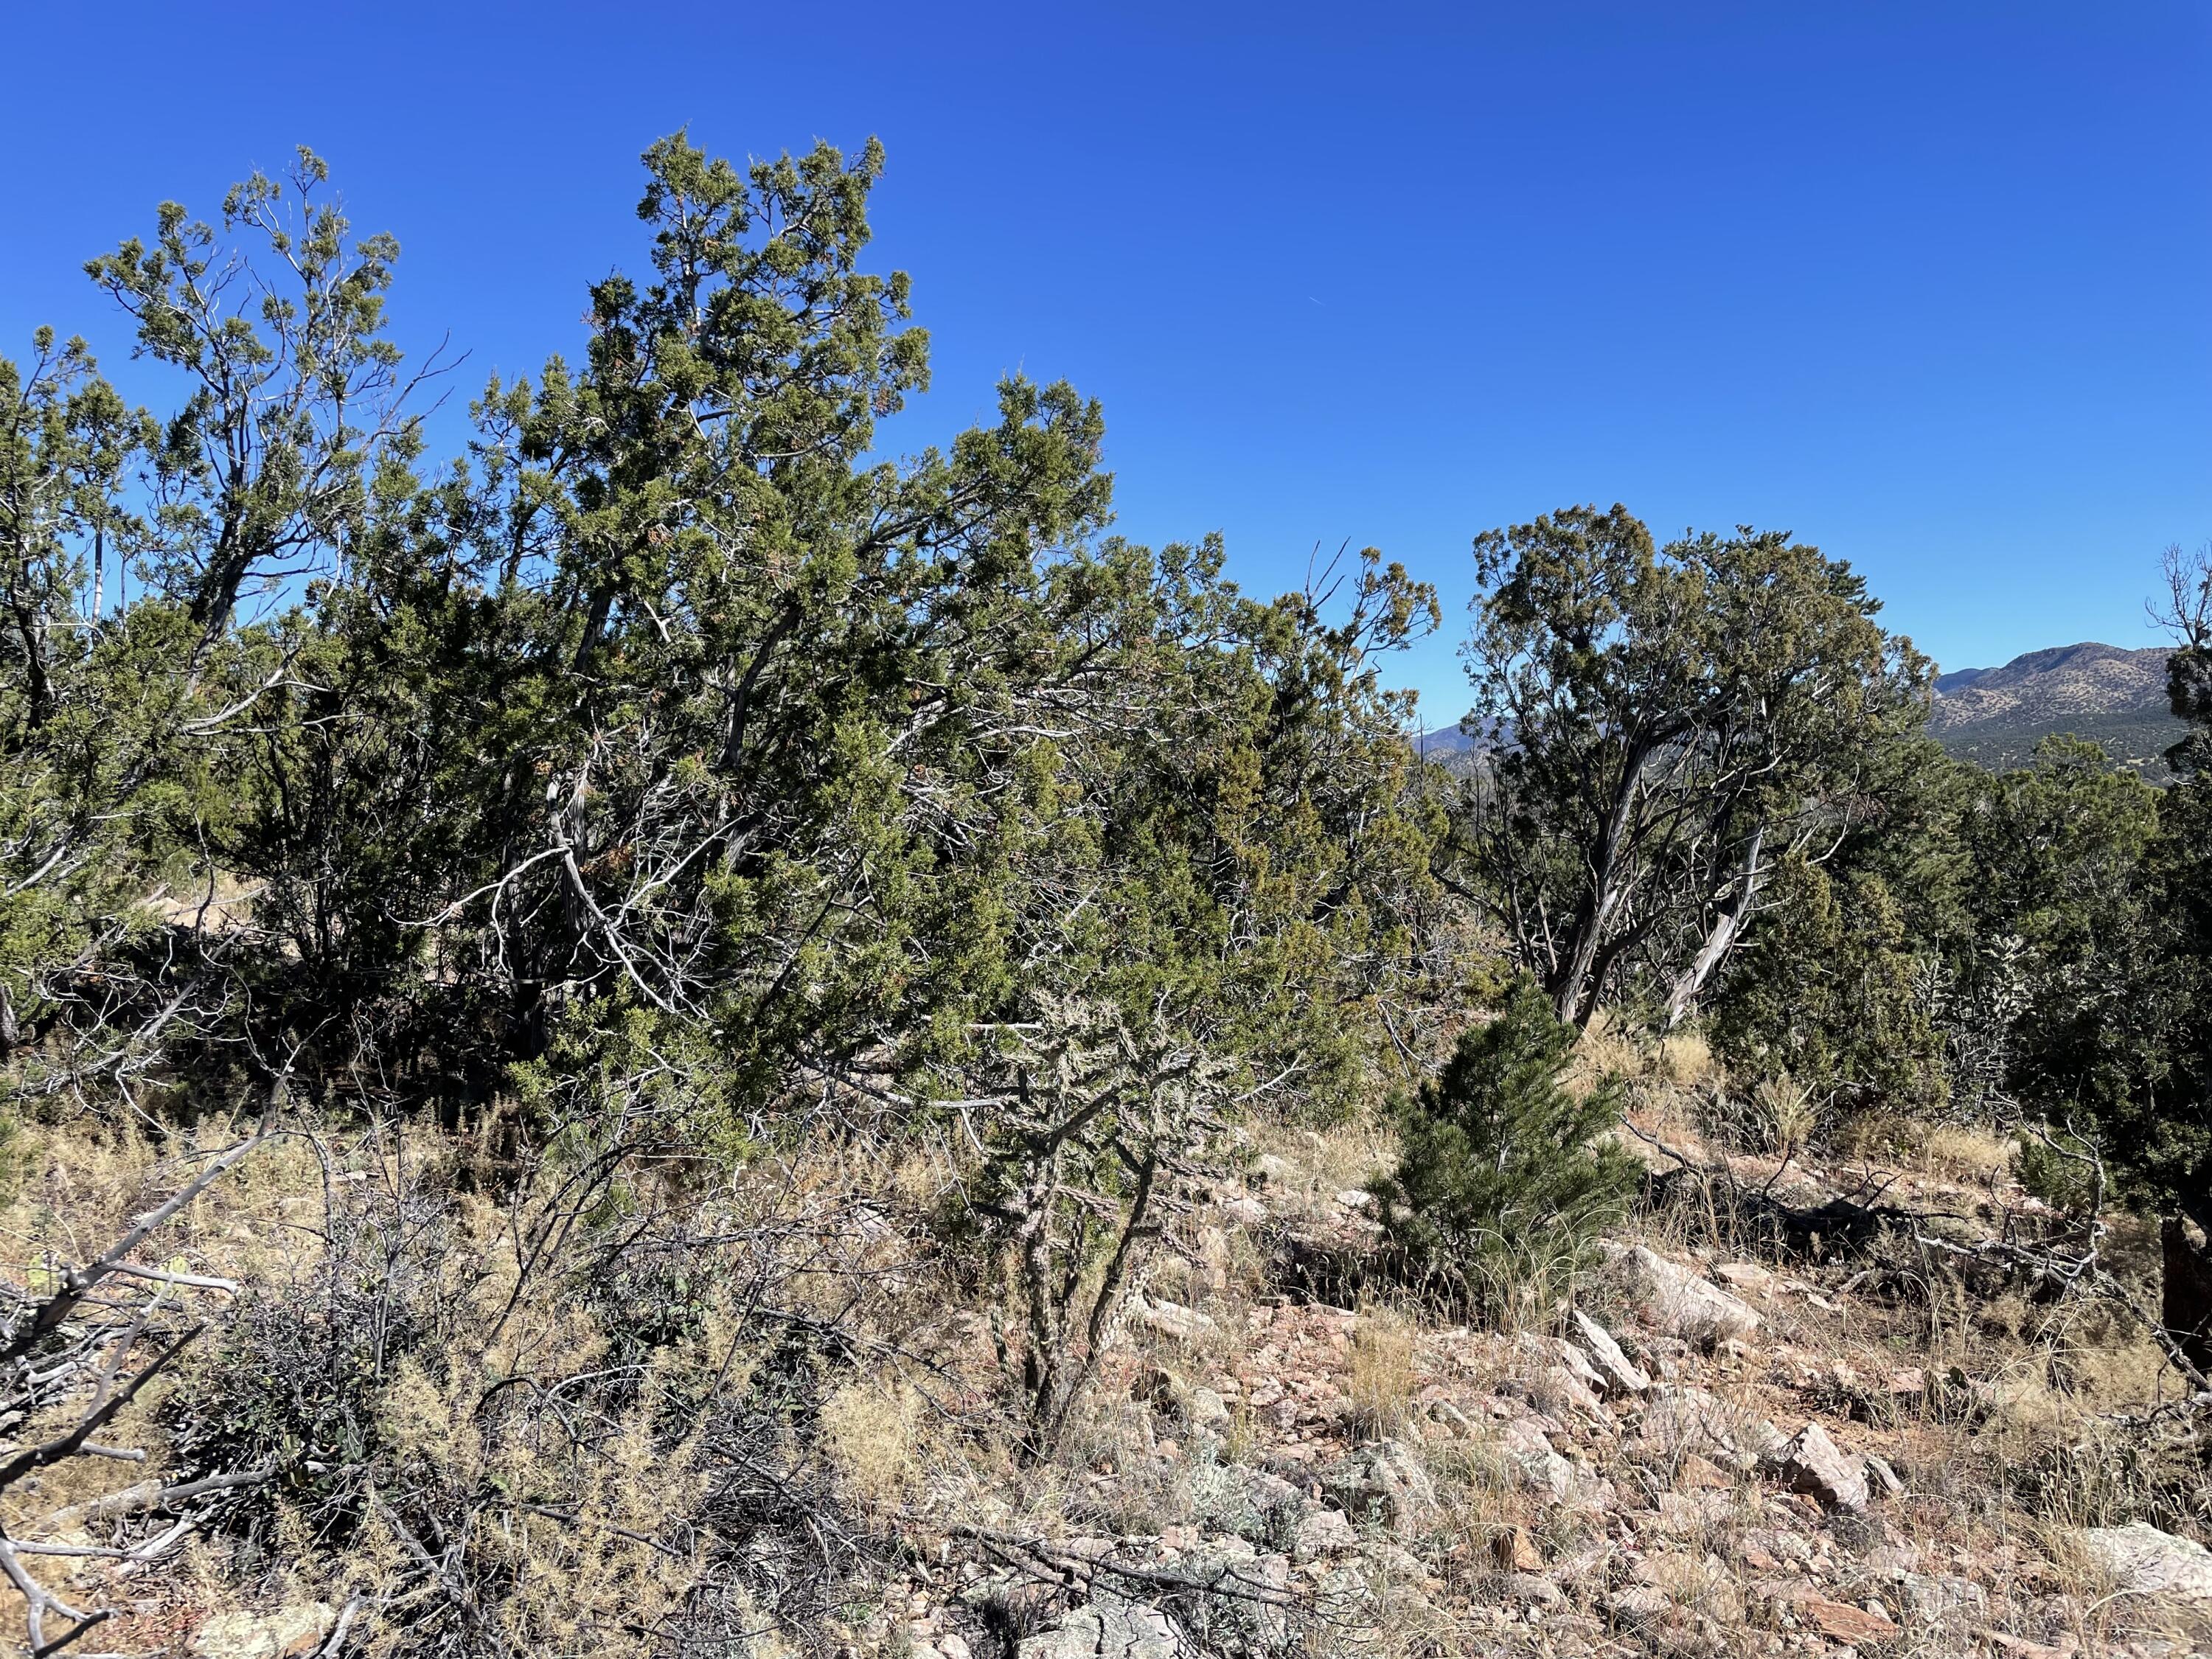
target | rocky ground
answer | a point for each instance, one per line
(1710, 1454)
(1793, 1408)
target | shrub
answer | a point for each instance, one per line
(1506, 1177)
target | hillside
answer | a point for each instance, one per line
(1752, 1429)
(668, 1039)
(2112, 697)
(1451, 748)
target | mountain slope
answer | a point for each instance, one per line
(2112, 697)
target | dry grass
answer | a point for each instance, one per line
(875, 1432)
(1967, 1154)
(1606, 1049)
(1380, 1380)
(1685, 1059)
(1785, 1115)
(1995, 1475)
(1947, 1151)
(1325, 1161)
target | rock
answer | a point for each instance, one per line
(952, 1645)
(1110, 1630)
(1159, 1387)
(1355, 1198)
(1616, 1372)
(1698, 1472)
(1551, 1353)
(1931, 1601)
(1321, 1532)
(1517, 1552)
(1267, 1502)
(1533, 1591)
(1746, 1276)
(1881, 1478)
(1450, 1418)
(1244, 1210)
(1542, 1470)
(1560, 1377)
(1840, 1622)
(2145, 1561)
(284, 1634)
(1260, 1584)
(1638, 1604)
(1394, 1563)
(1691, 1515)
(1274, 1170)
(1682, 1420)
(1792, 1549)
(1690, 1579)
(1206, 1411)
(1894, 1558)
(1384, 1479)
(1172, 1320)
(1809, 1462)
(1684, 1303)
(1563, 1389)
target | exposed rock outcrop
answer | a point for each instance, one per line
(1673, 1298)
(2145, 1561)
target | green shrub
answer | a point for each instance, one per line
(1506, 1177)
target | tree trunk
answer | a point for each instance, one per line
(1718, 942)
(1596, 914)
(2187, 1309)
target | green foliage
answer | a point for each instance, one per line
(1676, 719)
(1505, 1177)
(669, 768)
(2060, 1170)
(294, 396)
(1825, 995)
(2060, 848)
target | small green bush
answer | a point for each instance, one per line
(1505, 1178)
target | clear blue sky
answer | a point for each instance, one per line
(1925, 282)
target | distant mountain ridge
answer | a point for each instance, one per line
(2112, 697)
(1995, 716)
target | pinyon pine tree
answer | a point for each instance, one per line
(1505, 1175)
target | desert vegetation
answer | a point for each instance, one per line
(663, 1034)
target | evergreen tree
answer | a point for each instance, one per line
(1506, 1175)
(1826, 996)
(1678, 719)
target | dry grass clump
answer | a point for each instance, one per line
(1606, 1049)
(1114, 1472)
(1483, 1495)
(872, 1431)
(1611, 1045)
(1967, 1154)
(1964, 1153)
(1785, 1115)
(1323, 1163)
(1686, 1060)
(1380, 1381)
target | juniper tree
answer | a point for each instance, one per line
(1668, 724)
(275, 317)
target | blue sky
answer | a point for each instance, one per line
(1927, 284)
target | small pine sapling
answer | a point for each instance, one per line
(1506, 1177)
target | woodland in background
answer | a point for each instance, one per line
(670, 780)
